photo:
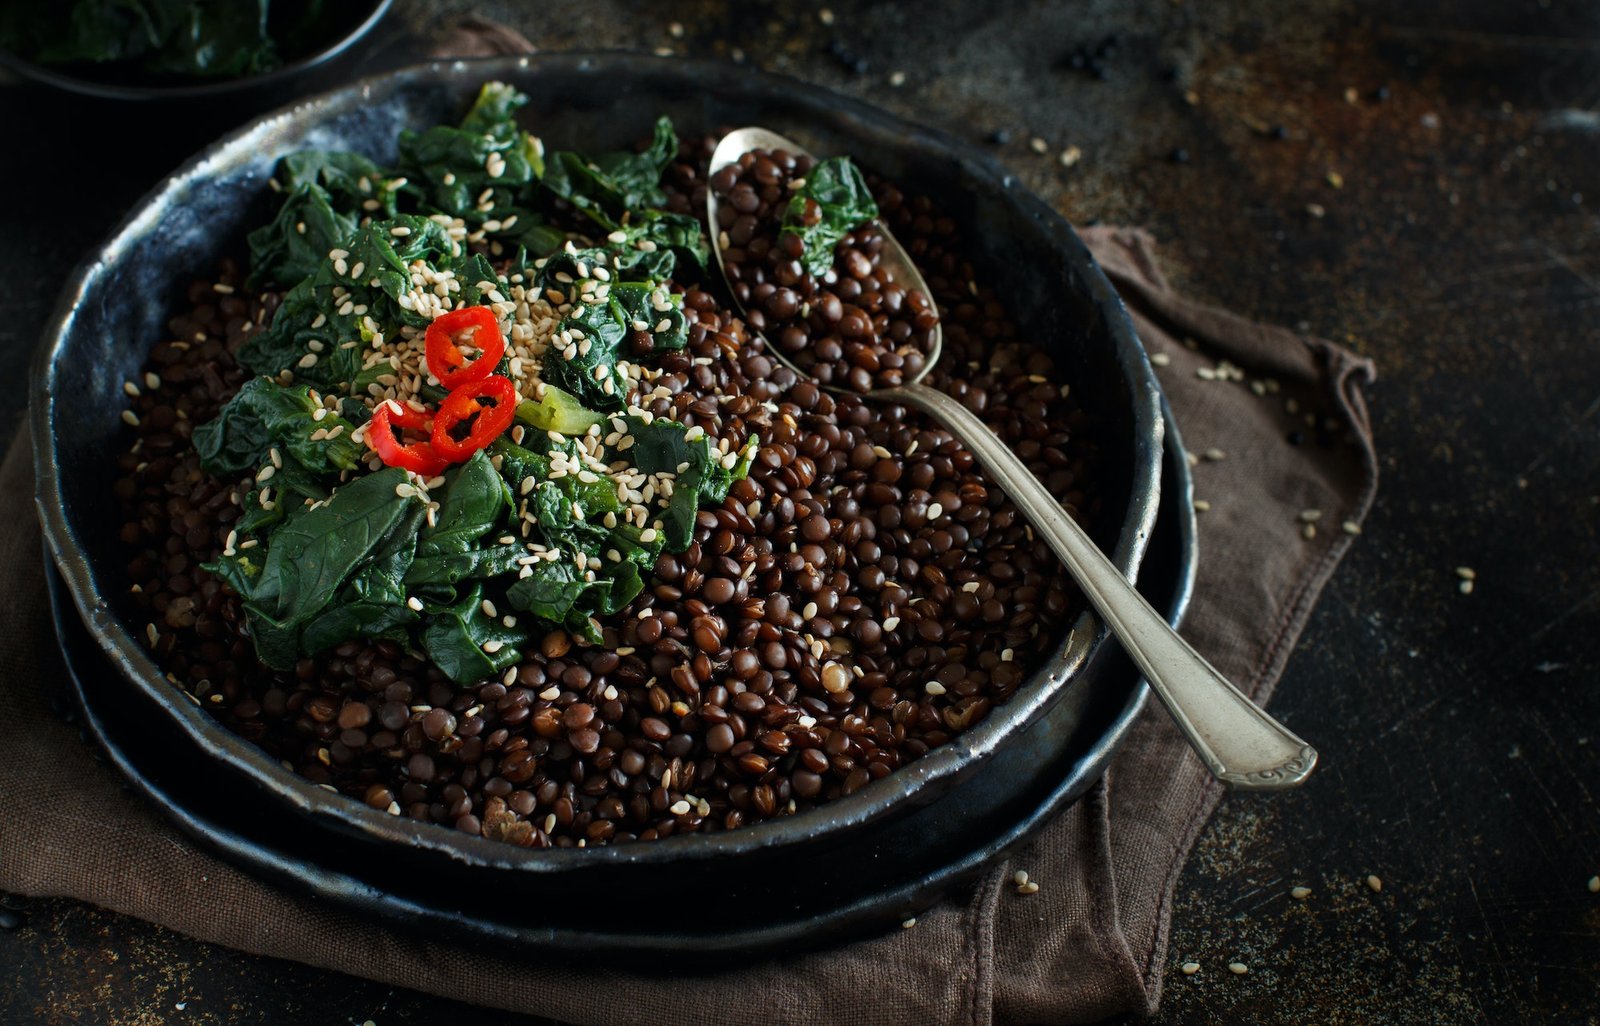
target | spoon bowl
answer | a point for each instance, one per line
(893, 258)
(1239, 743)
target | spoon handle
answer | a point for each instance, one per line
(1239, 743)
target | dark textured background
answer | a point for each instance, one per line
(1459, 732)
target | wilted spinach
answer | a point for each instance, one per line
(264, 415)
(332, 553)
(165, 37)
(628, 312)
(311, 556)
(834, 202)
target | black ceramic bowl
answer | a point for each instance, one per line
(349, 23)
(116, 306)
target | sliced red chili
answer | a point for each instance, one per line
(418, 457)
(473, 325)
(487, 419)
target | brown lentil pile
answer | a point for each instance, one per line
(896, 598)
(855, 326)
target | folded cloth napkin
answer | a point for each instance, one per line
(1091, 942)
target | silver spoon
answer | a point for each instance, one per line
(1241, 745)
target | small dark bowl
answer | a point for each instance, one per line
(117, 304)
(355, 21)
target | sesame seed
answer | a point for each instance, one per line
(933, 687)
(679, 808)
(492, 647)
(414, 603)
(891, 623)
(1030, 887)
(1238, 968)
(1070, 156)
(400, 230)
(223, 288)
(909, 923)
(1309, 531)
(131, 389)
(1190, 968)
(1160, 359)
(1465, 587)
(265, 474)
(1374, 883)
(1038, 145)
(1299, 893)
(1201, 505)
(935, 511)
(1594, 885)
(1466, 573)
(1214, 454)
(152, 380)
(825, 16)
(130, 418)
(970, 587)
(1350, 527)
(1310, 516)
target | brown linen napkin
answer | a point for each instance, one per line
(1090, 943)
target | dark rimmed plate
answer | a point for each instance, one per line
(119, 301)
(356, 22)
(887, 874)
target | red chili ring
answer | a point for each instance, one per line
(475, 325)
(489, 420)
(418, 457)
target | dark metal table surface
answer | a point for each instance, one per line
(1415, 181)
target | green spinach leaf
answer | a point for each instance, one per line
(457, 636)
(630, 312)
(450, 168)
(834, 202)
(312, 555)
(608, 186)
(264, 415)
(297, 241)
(350, 179)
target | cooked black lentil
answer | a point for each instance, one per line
(895, 597)
(855, 326)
